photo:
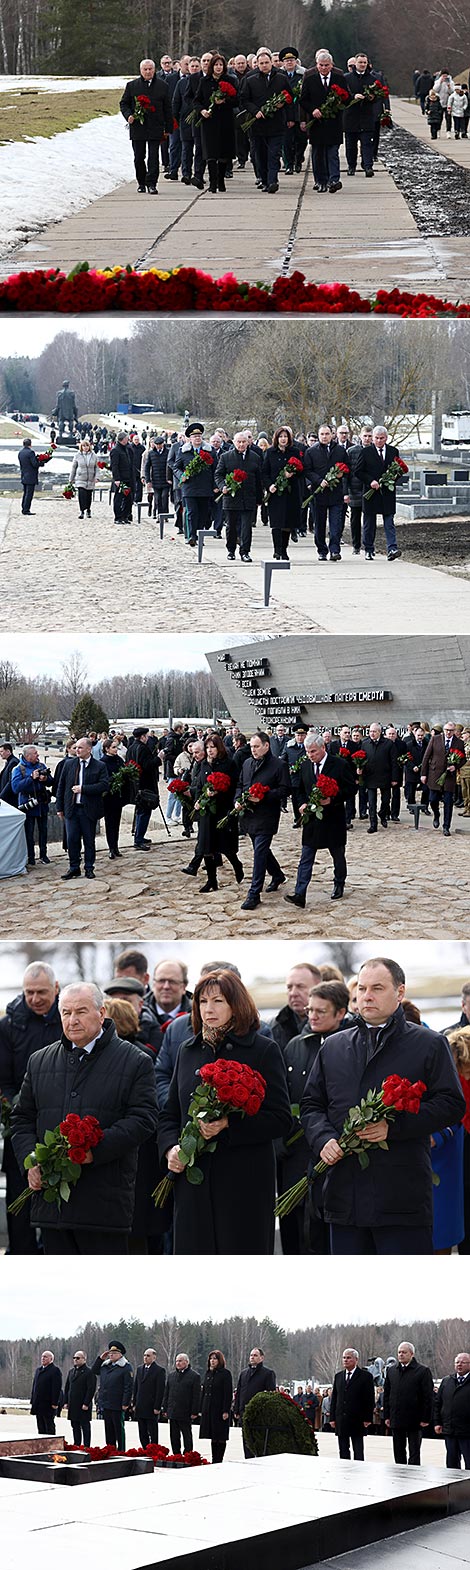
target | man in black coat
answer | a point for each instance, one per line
(156, 474)
(45, 1394)
(261, 821)
(329, 831)
(352, 1405)
(378, 774)
(80, 1386)
(31, 1021)
(370, 467)
(198, 491)
(252, 1381)
(359, 117)
(267, 131)
(122, 470)
(240, 510)
(157, 122)
(452, 1413)
(386, 1208)
(9, 763)
(304, 1231)
(328, 505)
(80, 791)
(295, 139)
(182, 106)
(325, 134)
(182, 1403)
(170, 76)
(408, 1404)
(90, 1070)
(292, 1018)
(147, 1400)
(141, 753)
(115, 1376)
(29, 470)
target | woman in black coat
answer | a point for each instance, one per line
(232, 1210)
(112, 804)
(210, 840)
(217, 1392)
(148, 1224)
(283, 507)
(218, 122)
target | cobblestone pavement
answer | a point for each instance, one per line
(401, 883)
(65, 573)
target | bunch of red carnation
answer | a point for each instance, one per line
(83, 1134)
(178, 787)
(402, 1094)
(236, 1085)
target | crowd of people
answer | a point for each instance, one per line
(299, 484)
(399, 1398)
(229, 790)
(444, 102)
(205, 112)
(131, 1054)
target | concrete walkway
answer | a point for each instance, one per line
(77, 571)
(364, 235)
(407, 114)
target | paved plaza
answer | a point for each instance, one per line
(366, 236)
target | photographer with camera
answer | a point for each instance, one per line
(31, 783)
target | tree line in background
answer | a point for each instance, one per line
(309, 375)
(28, 706)
(313, 1353)
(98, 37)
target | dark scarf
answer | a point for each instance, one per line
(214, 1035)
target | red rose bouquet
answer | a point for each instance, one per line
(101, 464)
(196, 465)
(395, 471)
(359, 758)
(395, 1095)
(276, 101)
(60, 1155)
(292, 468)
(374, 91)
(124, 490)
(336, 100)
(142, 105)
(127, 775)
(45, 457)
(321, 794)
(344, 752)
(216, 784)
(333, 477)
(234, 481)
(248, 799)
(69, 492)
(454, 760)
(178, 787)
(227, 1086)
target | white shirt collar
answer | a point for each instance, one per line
(89, 1045)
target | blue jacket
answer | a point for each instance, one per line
(25, 788)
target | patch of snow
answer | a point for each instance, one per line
(48, 178)
(60, 84)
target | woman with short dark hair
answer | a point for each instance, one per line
(217, 119)
(283, 505)
(217, 1392)
(232, 1210)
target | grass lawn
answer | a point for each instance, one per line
(28, 112)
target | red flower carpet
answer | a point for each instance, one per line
(187, 289)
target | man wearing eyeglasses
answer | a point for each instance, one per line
(80, 1388)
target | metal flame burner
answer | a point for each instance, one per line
(64, 1468)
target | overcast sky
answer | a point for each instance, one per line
(113, 655)
(26, 337)
(295, 1292)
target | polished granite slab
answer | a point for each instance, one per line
(277, 1513)
(445, 1545)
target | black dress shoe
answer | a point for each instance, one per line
(425, 813)
(191, 872)
(112, 855)
(152, 190)
(338, 891)
(142, 190)
(435, 823)
(369, 555)
(251, 902)
(273, 188)
(89, 872)
(66, 876)
(295, 899)
(372, 831)
(383, 822)
(208, 888)
(46, 860)
(274, 884)
(392, 555)
(447, 833)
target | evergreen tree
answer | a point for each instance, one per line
(88, 715)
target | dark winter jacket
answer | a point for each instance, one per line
(325, 132)
(255, 89)
(286, 1023)
(156, 121)
(95, 784)
(317, 462)
(360, 116)
(29, 466)
(115, 1083)
(250, 495)
(352, 1401)
(115, 1384)
(396, 1188)
(264, 817)
(370, 467)
(21, 1033)
(299, 1056)
(251, 1382)
(329, 831)
(80, 1386)
(408, 1395)
(149, 1386)
(155, 469)
(182, 1395)
(218, 132)
(378, 764)
(201, 484)
(179, 1030)
(206, 1219)
(217, 1393)
(122, 468)
(6, 793)
(46, 1388)
(452, 1406)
